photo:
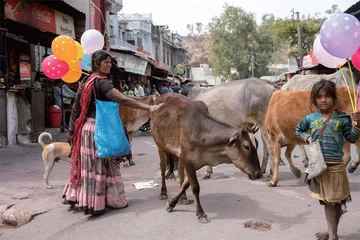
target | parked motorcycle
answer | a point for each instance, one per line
(145, 127)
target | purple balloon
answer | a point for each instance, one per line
(339, 35)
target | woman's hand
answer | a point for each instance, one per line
(153, 108)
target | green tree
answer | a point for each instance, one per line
(286, 32)
(235, 41)
(333, 10)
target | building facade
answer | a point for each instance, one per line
(203, 75)
(26, 34)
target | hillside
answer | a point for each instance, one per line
(198, 48)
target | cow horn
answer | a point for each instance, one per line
(254, 128)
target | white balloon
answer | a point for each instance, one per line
(92, 40)
(326, 58)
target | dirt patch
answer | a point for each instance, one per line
(258, 225)
(223, 177)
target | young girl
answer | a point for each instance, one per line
(332, 187)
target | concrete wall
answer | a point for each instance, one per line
(24, 119)
(3, 127)
(18, 119)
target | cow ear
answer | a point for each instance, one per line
(233, 139)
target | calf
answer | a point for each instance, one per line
(133, 119)
(286, 109)
(185, 129)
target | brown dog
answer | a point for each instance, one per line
(52, 153)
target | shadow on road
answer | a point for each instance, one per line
(223, 206)
(353, 236)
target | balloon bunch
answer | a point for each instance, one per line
(337, 43)
(70, 57)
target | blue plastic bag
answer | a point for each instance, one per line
(110, 138)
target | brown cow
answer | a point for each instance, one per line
(286, 109)
(185, 129)
(133, 119)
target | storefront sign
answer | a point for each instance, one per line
(40, 16)
(132, 64)
(64, 24)
(25, 71)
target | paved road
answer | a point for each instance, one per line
(229, 199)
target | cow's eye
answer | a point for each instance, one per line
(246, 146)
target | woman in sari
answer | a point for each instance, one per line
(95, 183)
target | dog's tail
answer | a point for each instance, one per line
(40, 139)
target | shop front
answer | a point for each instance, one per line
(136, 69)
(27, 32)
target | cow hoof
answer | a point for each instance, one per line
(126, 164)
(282, 163)
(168, 207)
(207, 176)
(351, 168)
(163, 196)
(272, 183)
(296, 172)
(49, 186)
(203, 220)
(184, 201)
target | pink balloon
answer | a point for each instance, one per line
(54, 68)
(356, 59)
(325, 58)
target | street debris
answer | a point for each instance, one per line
(258, 225)
(143, 185)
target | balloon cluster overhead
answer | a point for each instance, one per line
(338, 41)
(70, 57)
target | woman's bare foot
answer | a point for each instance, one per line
(322, 236)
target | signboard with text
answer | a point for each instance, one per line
(132, 64)
(40, 16)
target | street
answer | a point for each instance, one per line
(229, 198)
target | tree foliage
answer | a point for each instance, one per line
(235, 40)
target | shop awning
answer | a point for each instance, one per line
(79, 5)
(161, 79)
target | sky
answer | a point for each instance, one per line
(178, 14)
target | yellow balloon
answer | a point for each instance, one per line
(74, 73)
(64, 48)
(80, 53)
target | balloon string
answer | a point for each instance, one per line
(79, 72)
(353, 85)
(347, 86)
(356, 92)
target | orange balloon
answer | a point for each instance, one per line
(64, 48)
(74, 73)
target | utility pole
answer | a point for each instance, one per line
(161, 44)
(252, 64)
(299, 35)
(274, 57)
(299, 38)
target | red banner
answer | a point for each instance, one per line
(25, 71)
(40, 16)
(33, 14)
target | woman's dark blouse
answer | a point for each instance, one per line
(101, 87)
